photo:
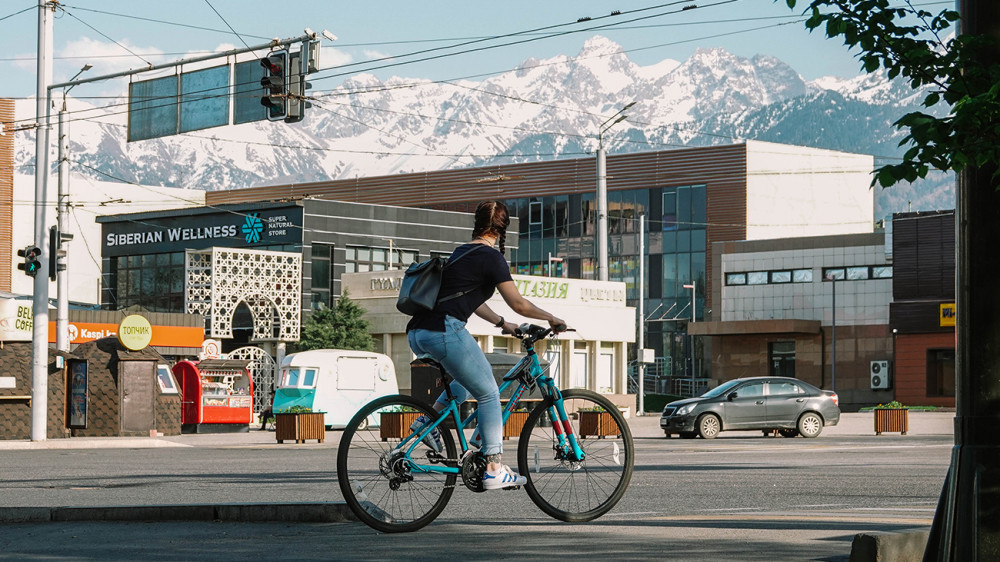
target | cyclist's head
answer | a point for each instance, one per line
(492, 219)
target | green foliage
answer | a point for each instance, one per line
(909, 42)
(894, 405)
(341, 327)
(656, 402)
(297, 410)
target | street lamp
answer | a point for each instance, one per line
(694, 316)
(602, 192)
(553, 259)
(62, 222)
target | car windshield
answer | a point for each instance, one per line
(721, 389)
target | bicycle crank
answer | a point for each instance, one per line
(473, 468)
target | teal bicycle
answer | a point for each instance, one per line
(575, 471)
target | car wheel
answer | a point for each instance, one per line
(708, 426)
(810, 425)
(789, 432)
(688, 435)
(667, 435)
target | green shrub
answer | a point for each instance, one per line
(656, 402)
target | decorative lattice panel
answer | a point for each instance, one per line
(263, 371)
(270, 283)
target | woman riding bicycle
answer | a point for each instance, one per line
(441, 333)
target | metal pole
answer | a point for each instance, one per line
(833, 358)
(62, 222)
(40, 299)
(967, 521)
(602, 212)
(694, 317)
(641, 343)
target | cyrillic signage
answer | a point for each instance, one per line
(947, 314)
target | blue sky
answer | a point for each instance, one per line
(86, 32)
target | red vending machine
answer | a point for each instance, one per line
(218, 395)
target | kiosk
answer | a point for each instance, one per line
(218, 395)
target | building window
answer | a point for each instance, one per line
(802, 276)
(781, 277)
(830, 273)
(358, 258)
(757, 278)
(736, 279)
(154, 281)
(941, 372)
(857, 273)
(881, 272)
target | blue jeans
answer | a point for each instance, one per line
(461, 356)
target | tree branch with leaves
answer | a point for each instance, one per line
(912, 43)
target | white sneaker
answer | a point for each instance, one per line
(506, 478)
(432, 439)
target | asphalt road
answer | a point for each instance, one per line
(741, 496)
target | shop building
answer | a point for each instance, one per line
(922, 313)
(253, 270)
(691, 198)
(814, 308)
(593, 355)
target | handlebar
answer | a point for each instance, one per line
(531, 333)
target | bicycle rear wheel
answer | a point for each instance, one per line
(570, 490)
(379, 482)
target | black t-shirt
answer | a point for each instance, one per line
(483, 269)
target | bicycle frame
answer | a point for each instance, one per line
(526, 373)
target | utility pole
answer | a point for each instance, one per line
(40, 300)
(641, 343)
(62, 224)
(967, 522)
(602, 192)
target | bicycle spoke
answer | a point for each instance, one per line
(379, 479)
(576, 490)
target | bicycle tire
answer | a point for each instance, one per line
(570, 491)
(376, 485)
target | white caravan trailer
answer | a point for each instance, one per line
(334, 381)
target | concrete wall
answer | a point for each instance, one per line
(799, 191)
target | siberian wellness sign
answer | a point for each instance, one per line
(248, 228)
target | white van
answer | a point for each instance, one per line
(334, 381)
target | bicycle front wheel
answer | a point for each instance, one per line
(379, 481)
(566, 488)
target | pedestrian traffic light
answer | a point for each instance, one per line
(31, 264)
(275, 83)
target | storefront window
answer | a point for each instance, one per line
(941, 372)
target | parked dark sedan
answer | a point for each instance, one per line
(782, 404)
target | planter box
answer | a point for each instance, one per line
(892, 420)
(514, 424)
(600, 424)
(299, 426)
(396, 425)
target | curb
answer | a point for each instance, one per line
(875, 547)
(332, 512)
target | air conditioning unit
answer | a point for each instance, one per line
(879, 371)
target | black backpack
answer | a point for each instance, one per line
(422, 282)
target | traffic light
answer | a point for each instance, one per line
(56, 240)
(31, 264)
(275, 83)
(297, 87)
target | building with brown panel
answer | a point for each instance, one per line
(923, 310)
(6, 192)
(690, 199)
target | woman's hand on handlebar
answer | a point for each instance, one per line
(557, 325)
(509, 328)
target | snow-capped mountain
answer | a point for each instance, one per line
(543, 110)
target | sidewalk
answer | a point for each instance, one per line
(648, 426)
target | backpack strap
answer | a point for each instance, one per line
(451, 261)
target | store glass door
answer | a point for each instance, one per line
(781, 359)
